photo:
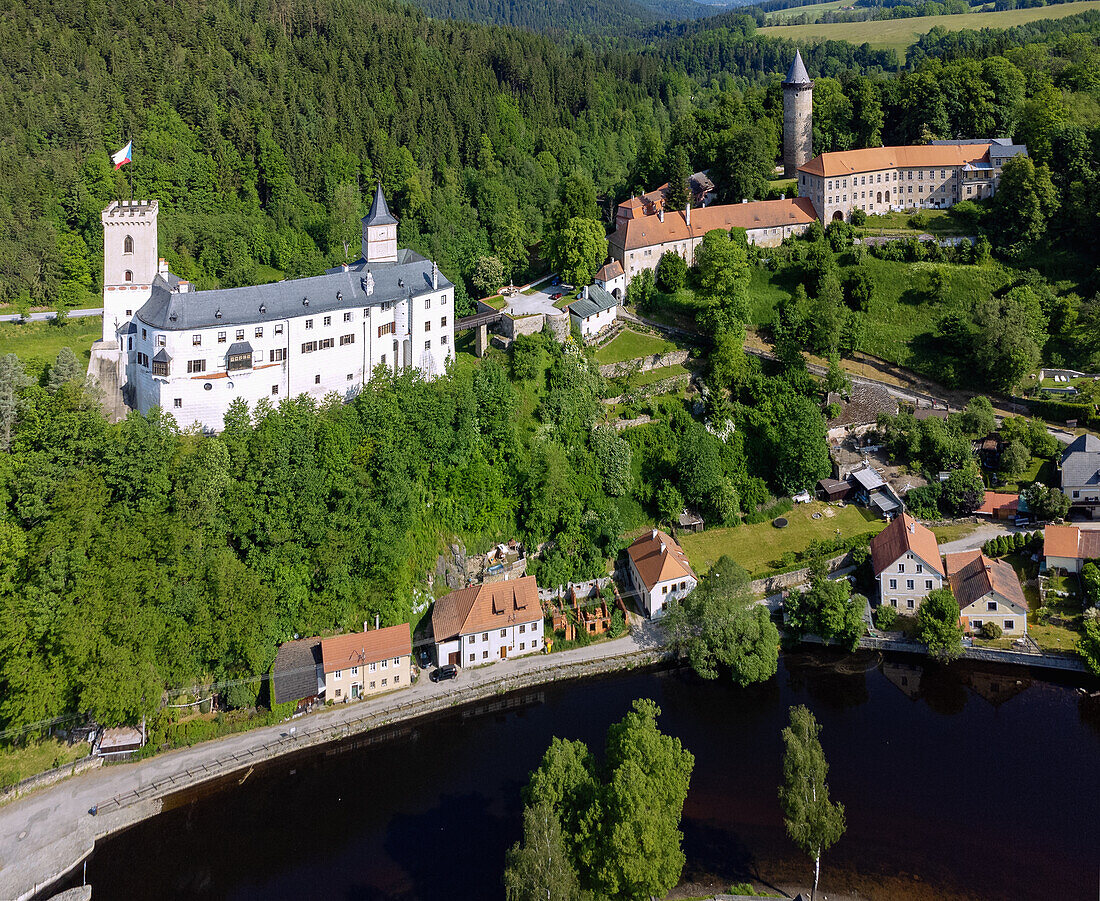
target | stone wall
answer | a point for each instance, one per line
(50, 777)
(656, 361)
(770, 585)
(513, 327)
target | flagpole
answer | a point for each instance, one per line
(131, 170)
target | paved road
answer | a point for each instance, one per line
(43, 317)
(49, 830)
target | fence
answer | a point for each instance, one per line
(298, 739)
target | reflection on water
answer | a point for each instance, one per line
(960, 782)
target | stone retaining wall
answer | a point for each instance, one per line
(50, 777)
(654, 361)
(782, 581)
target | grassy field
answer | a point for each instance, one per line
(937, 222)
(756, 546)
(898, 34)
(37, 343)
(815, 10)
(629, 345)
(945, 534)
(17, 764)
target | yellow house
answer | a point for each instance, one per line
(987, 591)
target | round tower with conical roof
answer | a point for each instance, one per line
(798, 109)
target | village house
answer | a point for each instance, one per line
(367, 663)
(987, 591)
(905, 559)
(298, 673)
(1081, 474)
(1069, 548)
(595, 311)
(485, 623)
(1001, 505)
(659, 571)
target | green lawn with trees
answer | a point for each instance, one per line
(38, 343)
(630, 345)
(761, 548)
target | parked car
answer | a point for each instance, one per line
(449, 671)
(556, 296)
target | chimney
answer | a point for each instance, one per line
(687, 212)
(162, 266)
(653, 535)
(344, 266)
(435, 275)
(377, 621)
(912, 528)
(744, 200)
(586, 292)
(663, 548)
(660, 215)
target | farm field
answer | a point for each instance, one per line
(755, 547)
(898, 34)
(815, 9)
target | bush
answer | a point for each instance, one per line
(671, 272)
(618, 623)
(919, 220)
(858, 217)
(991, 631)
(885, 617)
(204, 706)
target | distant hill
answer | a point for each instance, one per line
(566, 16)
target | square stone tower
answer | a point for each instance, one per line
(379, 231)
(130, 260)
(798, 110)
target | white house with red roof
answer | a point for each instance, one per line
(987, 591)
(659, 571)
(905, 558)
(485, 623)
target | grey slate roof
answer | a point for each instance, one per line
(295, 670)
(1081, 462)
(161, 356)
(239, 347)
(797, 74)
(379, 211)
(598, 301)
(337, 290)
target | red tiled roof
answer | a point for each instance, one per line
(646, 231)
(995, 500)
(1071, 542)
(358, 648)
(973, 576)
(609, 271)
(658, 557)
(484, 607)
(905, 536)
(874, 159)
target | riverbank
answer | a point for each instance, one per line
(45, 835)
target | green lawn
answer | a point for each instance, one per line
(534, 289)
(755, 547)
(814, 10)
(17, 764)
(898, 34)
(37, 343)
(629, 345)
(937, 222)
(266, 274)
(945, 534)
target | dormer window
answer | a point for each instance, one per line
(128, 245)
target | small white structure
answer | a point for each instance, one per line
(659, 571)
(485, 623)
(594, 312)
(905, 558)
(612, 279)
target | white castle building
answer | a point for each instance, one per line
(192, 353)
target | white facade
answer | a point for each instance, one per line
(659, 595)
(591, 325)
(192, 353)
(906, 582)
(488, 646)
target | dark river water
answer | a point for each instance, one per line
(959, 783)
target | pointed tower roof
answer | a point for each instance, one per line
(797, 73)
(379, 212)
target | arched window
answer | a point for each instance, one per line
(128, 245)
(129, 276)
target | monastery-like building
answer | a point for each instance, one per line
(919, 176)
(193, 353)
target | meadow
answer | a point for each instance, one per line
(37, 343)
(898, 34)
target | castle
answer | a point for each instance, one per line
(192, 353)
(830, 186)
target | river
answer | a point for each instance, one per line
(959, 783)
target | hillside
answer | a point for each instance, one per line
(605, 17)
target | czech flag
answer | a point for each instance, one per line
(123, 156)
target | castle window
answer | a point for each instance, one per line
(196, 365)
(160, 340)
(240, 361)
(443, 340)
(347, 339)
(328, 320)
(160, 368)
(428, 326)
(317, 380)
(279, 329)
(309, 323)
(196, 340)
(221, 337)
(427, 303)
(443, 322)
(427, 345)
(325, 343)
(347, 317)
(278, 355)
(177, 403)
(128, 245)
(309, 346)
(259, 331)
(274, 389)
(240, 334)
(129, 276)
